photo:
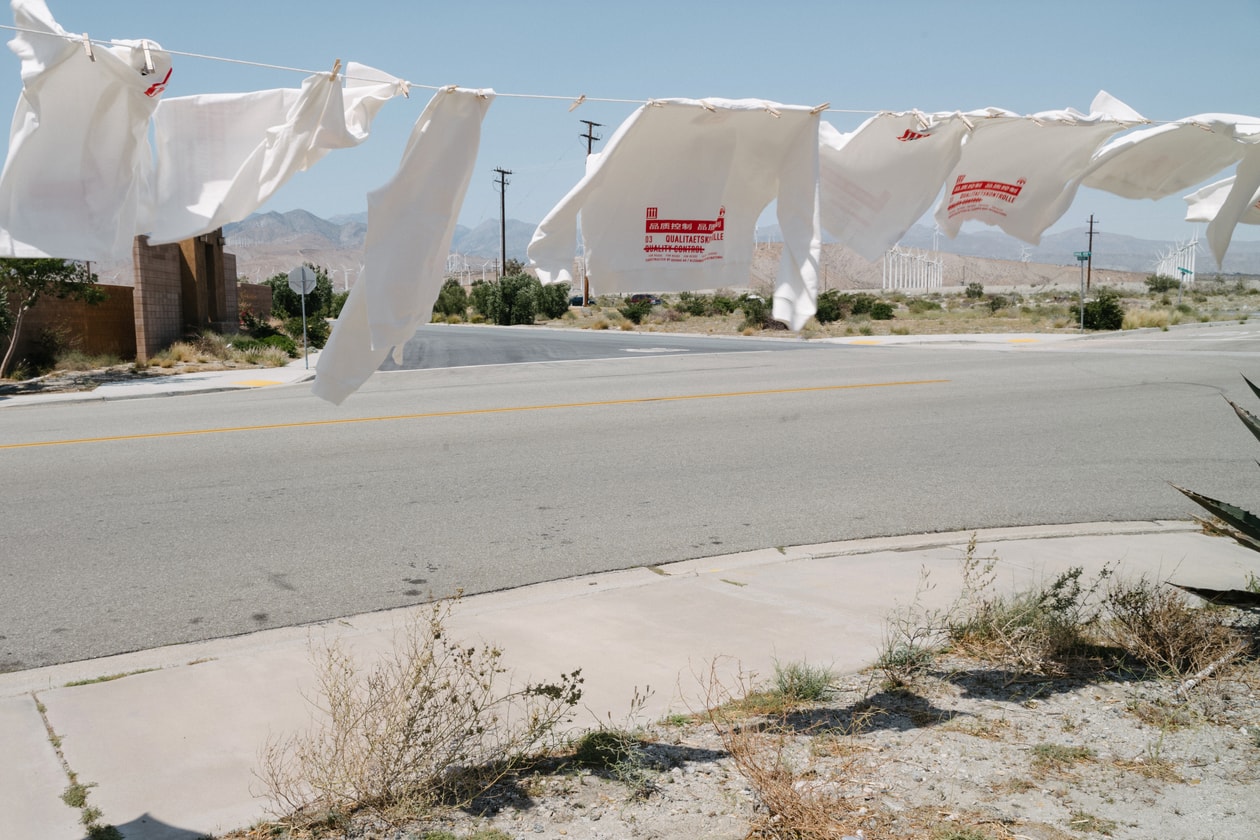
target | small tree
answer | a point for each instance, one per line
(452, 299)
(286, 303)
(24, 281)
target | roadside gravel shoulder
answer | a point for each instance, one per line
(971, 750)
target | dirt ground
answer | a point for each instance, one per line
(972, 752)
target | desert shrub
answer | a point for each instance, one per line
(282, 343)
(508, 300)
(635, 310)
(881, 310)
(692, 304)
(859, 304)
(316, 331)
(451, 299)
(721, 304)
(1104, 312)
(619, 755)
(1032, 631)
(802, 682)
(921, 305)
(431, 722)
(998, 303)
(829, 307)
(1158, 285)
(974, 291)
(756, 312)
(1156, 625)
(78, 360)
(1136, 319)
(553, 300)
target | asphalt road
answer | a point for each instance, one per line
(149, 522)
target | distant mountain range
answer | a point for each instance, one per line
(268, 243)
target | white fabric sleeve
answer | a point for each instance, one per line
(411, 221)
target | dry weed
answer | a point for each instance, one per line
(430, 722)
(1160, 629)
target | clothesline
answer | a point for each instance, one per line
(575, 100)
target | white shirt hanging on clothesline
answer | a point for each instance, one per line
(1205, 203)
(877, 181)
(1157, 162)
(79, 164)
(221, 156)
(1021, 173)
(411, 221)
(672, 202)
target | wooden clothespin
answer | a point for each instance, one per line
(332, 77)
(87, 47)
(708, 106)
(148, 68)
(404, 88)
(970, 125)
(577, 102)
(818, 109)
(773, 112)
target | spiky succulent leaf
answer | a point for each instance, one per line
(1252, 386)
(1249, 420)
(1246, 522)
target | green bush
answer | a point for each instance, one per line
(1103, 312)
(974, 291)
(919, 305)
(829, 307)
(997, 303)
(508, 300)
(636, 310)
(881, 310)
(553, 300)
(452, 299)
(692, 304)
(1158, 284)
(285, 343)
(859, 304)
(756, 312)
(316, 331)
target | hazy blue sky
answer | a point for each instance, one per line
(1165, 59)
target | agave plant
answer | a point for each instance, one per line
(1231, 520)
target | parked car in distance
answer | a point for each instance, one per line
(652, 299)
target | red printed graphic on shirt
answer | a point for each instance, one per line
(911, 135)
(158, 87)
(980, 196)
(683, 240)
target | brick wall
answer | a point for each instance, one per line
(105, 329)
(256, 298)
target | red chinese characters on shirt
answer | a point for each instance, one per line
(682, 240)
(980, 196)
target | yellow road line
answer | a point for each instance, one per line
(467, 413)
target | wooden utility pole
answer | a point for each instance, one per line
(590, 134)
(590, 147)
(1089, 267)
(503, 182)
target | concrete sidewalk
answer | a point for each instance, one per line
(172, 749)
(178, 384)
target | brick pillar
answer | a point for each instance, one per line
(158, 306)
